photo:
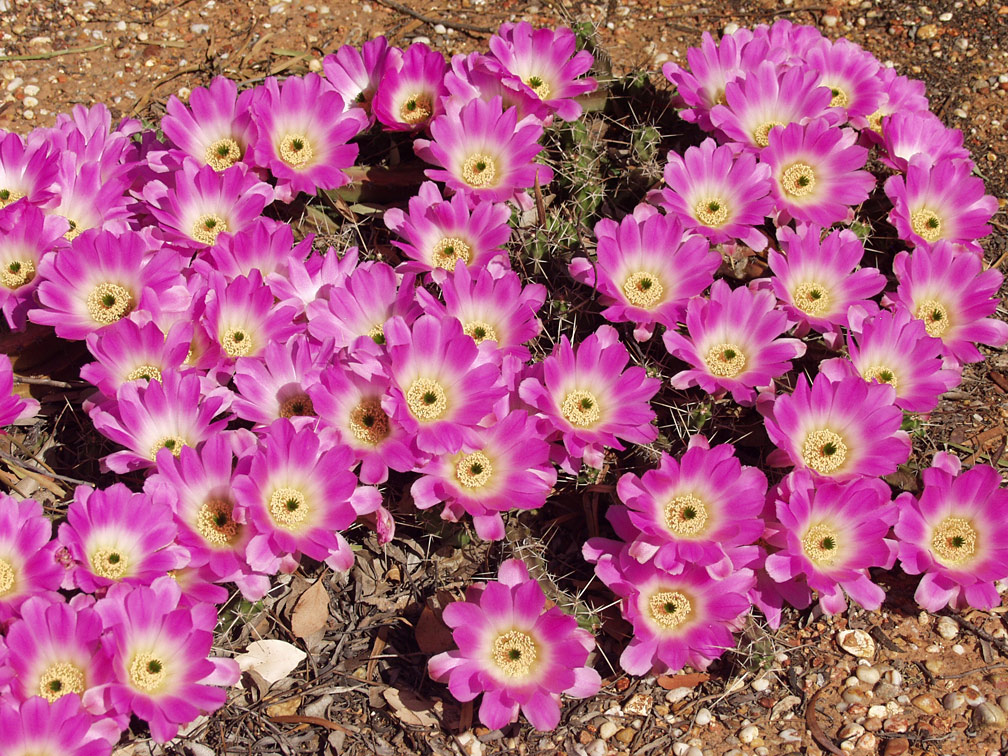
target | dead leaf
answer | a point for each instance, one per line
(410, 708)
(685, 680)
(432, 635)
(272, 659)
(286, 708)
(311, 613)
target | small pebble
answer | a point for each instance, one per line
(896, 747)
(953, 700)
(626, 735)
(730, 28)
(199, 28)
(896, 724)
(703, 717)
(439, 29)
(790, 736)
(30, 102)
(829, 20)
(927, 31)
(958, 649)
(867, 742)
(988, 715)
(945, 17)
(973, 695)
(679, 748)
(694, 751)
(748, 733)
(597, 748)
(947, 628)
(421, 40)
(31, 90)
(873, 724)
(857, 643)
(760, 684)
(28, 115)
(608, 729)
(927, 703)
(868, 675)
(878, 710)
(15, 84)
(885, 691)
(677, 694)
(852, 730)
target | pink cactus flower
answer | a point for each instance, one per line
(410, 93)
(215, 128)
(28, 565)
(354, 73)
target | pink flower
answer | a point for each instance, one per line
(851, 75)
(216, 128)
(905, 135)
(265, 246)
(88, 200)
(277, 383)
(26, 236)
(27, 562)
(37, 726)
(954, 535)
(13, 407)
(516, 654)
(409, 95)
(354, 73)
(26, 171)
(128, 352)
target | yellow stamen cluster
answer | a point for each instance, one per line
(711, 211)
(17, 273)
(479, 171)
(215, 522)
(295, 150)
(109, 302)
(954, 540)
(299, 405)
(207, 227)
(377, 333)
(811, 297)
(761, 133)
(824, 451)
(236, 342)
(935, 317)
(880, 373)
(669, 608)
(147, 672)
(643, 290)
(725, 360)
(9, 197)
(173, 444)
(538, 85)
(514, 653)
(109, 563)
(840, 98)
(145, 372)
(222, 154)
(926, 224)
(480, 331)
(7, 577)
(685, 515)
(417, 108)
(426, 399)
(448, 251)
(75, 229)
(369, 423)
(820, 544)
(473, 470)
(580, 408)
(798, 180)
(59, 679)
(288, 508)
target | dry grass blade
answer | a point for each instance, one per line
(299, 719)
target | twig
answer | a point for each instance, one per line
(297, 719)
(44, 473)
(967, 673)
(813, 726)
(980, 633)
(434, 21)
(54, 53)
(46, 382)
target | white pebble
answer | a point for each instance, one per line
(748, 734)
(677, 694)
(829, 20)
(278, 8)
(947, 628)
(15, 84)
(421, 40)
(679, 748)
(28, 115)
(120, 26)
(703, 717)
(694, 751)
(199, 28)
(877, 711)
(957, 648)
(945, 17)
(867, 675)
(597, 748)
(439, 29)
(30, 102)
(760, 684)
(730, 28)
(31, 90)
(608, 729)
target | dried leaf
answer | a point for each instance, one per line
(272, 659)
(311, 613)
(284, 708)
(432, 635)
(410, 709)
(685, 680)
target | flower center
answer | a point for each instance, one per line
(473, 470)
(880, 373)
(369, 423)
(416, 109)
(580, 408)
(426, 399)
(824, 451)
(144, 372)
(17, 273)
(9, 197)
(875, 121)
(712, 211)
(299, 405)
(514, 653)
(147, 672)
(173, 443)
(926, 224)
(669, 608)
(811, 298)
(237, 342)
(109, 563)
(798, 180)
(450, 250)
(377, 333)
(59, 679)
(295, 150)
(74, 229)
(760, 134)
(287, 507)
(215, 522)
(643, 290)
(685, 515)
(7, 577)
(725, 360)
(935, 317)
(206, 228)
(840, 98)
(820, 544)
(480, 331)
(954, 540)
(479, 170)
(538, 85)
(222, 154)
(108, 302)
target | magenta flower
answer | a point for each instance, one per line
(509, 468)
(939, 201)
(354, 73)
(13, 407)
(87, 200)
(409, 95)
(733, 342)
(26, 171)
(216, 129)
(905, 135)
(950, 292)
(717, 192)
(26, 235)
(830, 534)
(266, 245)
(127, 352)
(159, 650)
(277, 383)
(37, 726)
(28, 565)
(899, 95)
(647, 269)
(592, 399)
(485, 151)
(840, 430)
(851, 75)
(479, 76)
(694, 510)
(298, 281)
(519, 656)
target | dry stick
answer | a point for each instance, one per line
(979, 633)
(46, 382)
(433, 21)
(44, 473)
(54, 53)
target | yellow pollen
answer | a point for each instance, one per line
(299, 405)
(580, 408)
(295, 150)
(369, 423)
(480, 331)
(7, 577)
(288, 509)
(449, 251)
(144, 372)
(811, 297)
(147, 672)
(685, 515)
(669, 608)
(473, 470)
(222, 154)
(824, 451)
(875, 121)
(820, 544)
(761, 133)
(711, 211)
(926, 224)
(725, 360)
(109, 563)
(479, 171)
(538, 85)
(880, 373)
(719, 98)
(75, 229)
(237, 342)
(377, 333)
(426, 399)
(798, 180)
(935, 317)
(643, 290)
(173, 444)
(840, 98)
(59, 679)
(954, 540)
(215, 522)
(416, 109)
(514, 653)
(206, 228)
(9, 197)
(17, 273)
(109, 302)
